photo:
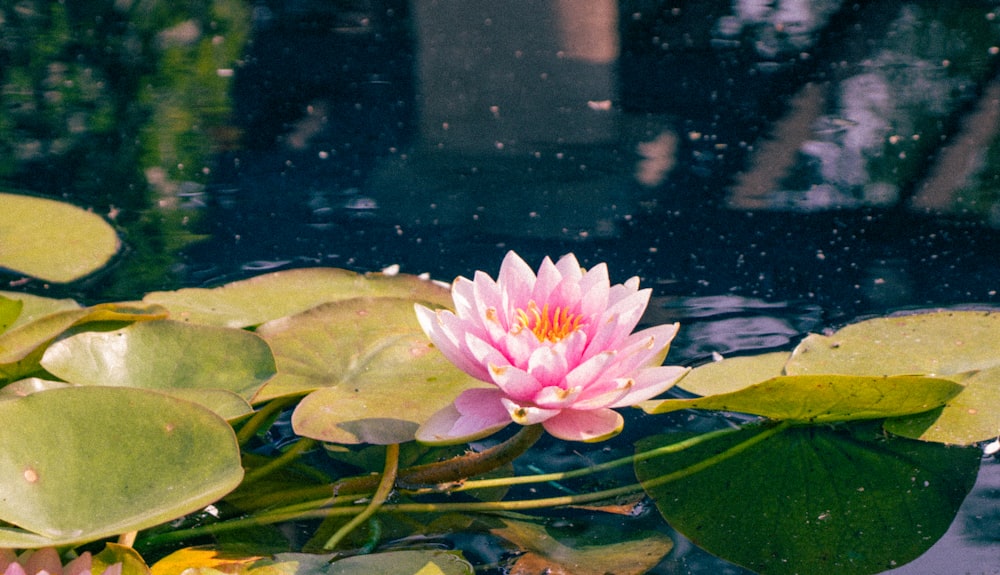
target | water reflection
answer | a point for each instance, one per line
(721, 325)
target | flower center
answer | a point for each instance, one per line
(548, 324)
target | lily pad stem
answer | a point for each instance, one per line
(281, 515)
(381, 494)
(285, 458)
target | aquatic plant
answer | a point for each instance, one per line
(557, 346)
(165, 410)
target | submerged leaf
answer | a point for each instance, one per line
(810, 499)
(84, 463)
(372, 375)
(53, 241)
(824, 398)
(270, 296)
(598, 552)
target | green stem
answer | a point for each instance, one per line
(564, 475)
(285, 458)
(282, 515)
(381, 494)
(451, 470)
(262, 416)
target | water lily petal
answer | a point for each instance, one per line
(464, 296)
(604, 393)
(648, 383)
(516, 383)
(585, 374)
(447, 332)
(44, 559)
(516, 281)
(553, 397)
(484, 415)
(480, 409)
(79, 566)
(14, 569)
(527, 414)
(589, 425)
(595, 287)
(645, 348)
(549, 277)
(548, 366)
(569, 267)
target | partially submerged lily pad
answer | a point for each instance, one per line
(371, 374)
(51, 240)
(270, 296)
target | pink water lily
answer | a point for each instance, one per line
(46, 561)
(558, 348)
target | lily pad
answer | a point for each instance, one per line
(30, 385)
(266, 297)
(958, 345)
(844, 500)
(10, 309)
(733, 373)
(970, 417)
(824, 398)
(939, 343)
(51, 240)
(84, 463)
(370, 372)
(21, 348)
(34, 306)
(165, 355)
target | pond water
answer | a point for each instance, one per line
(770, 169)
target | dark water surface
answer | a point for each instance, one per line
(769, 168)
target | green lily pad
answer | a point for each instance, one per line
(165, 355)
(733, 373)
(970, 417)
(51, 240)
(10, 309)
(939, 343)
(824, 398)
(846, 500)
(34, 306)
(30, 385)
(84, 463)
(132, 562)
(958, 345)
(21, 348)
(266, 297)
(370, 372)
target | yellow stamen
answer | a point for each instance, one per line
(548, 324)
